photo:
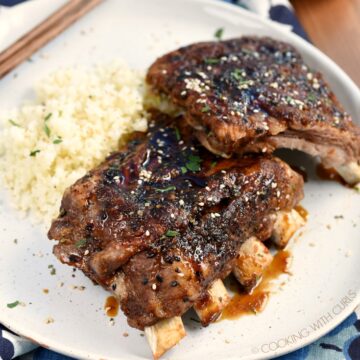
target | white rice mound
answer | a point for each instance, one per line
(77, 119)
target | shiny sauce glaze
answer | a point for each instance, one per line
(255, 302)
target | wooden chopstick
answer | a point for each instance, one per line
(43, 33)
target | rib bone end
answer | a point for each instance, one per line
(254, 257)
(286, 224)
(164, 335)
(210, 308)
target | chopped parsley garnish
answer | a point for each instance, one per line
(205, 109)
(289, 100)
(48, 116)
(183, 170)
(171, 233)
(169, 188)
(34, 152)
(58, 140)
(46, 127)
(52, 269)
(47, 130)
(81, 243)
(237, 74)
(311, 97)
(177, 134)
(219, 33)
(194, 163)
(12, 122)
(13, 304)
(211, 61)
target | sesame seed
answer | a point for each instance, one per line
(274, 185)
(153, 286)
(201, 204)
(147, 233)
(207, 188)
(222, 186)
(181, 202)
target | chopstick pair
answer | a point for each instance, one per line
(43, 33)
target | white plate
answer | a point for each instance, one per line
(325, 286)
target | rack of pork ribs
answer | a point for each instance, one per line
(164, 221)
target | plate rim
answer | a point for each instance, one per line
(302, 45)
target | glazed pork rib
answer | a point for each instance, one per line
(256, 94)
(163, 221)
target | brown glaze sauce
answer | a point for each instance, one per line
(329, 174)
(302, 211)
(111, 306)
(245, 304)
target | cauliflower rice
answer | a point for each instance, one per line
(78, 117)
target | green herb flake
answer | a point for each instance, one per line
(81, 243)
(13, 304)
(194, 163)
(53, 271)
(289, 99)
(12, 122)
(237, 74)
(171, 233)
(48, 116)
(183, 170)
(213, 164)
(34, 152)
(211, 61)
(219, 33)
(58, 140)
(47, 130)
(177, 134)
(169, 188)
(205, 109)
(311, 97)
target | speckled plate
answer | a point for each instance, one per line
(325, 286)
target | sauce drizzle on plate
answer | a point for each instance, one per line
(245, 304)
(111, 306)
